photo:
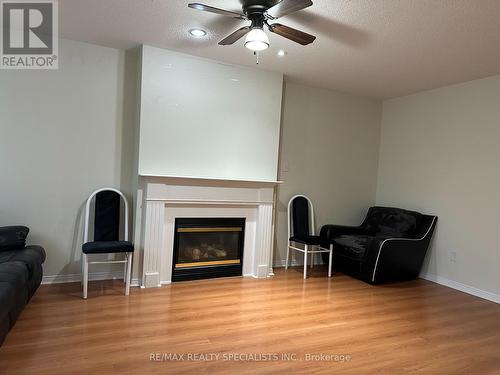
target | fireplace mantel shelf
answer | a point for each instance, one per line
(191, 178)
(208, 201)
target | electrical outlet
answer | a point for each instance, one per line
(453, 256)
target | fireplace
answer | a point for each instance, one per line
(166, 199)
(207, 247)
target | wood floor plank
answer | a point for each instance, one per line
(416, 327)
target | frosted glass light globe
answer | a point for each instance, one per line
(257, 40)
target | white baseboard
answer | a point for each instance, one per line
(93, 276)
(461, 287)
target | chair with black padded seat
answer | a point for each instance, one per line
(106, 233)
(301, 231)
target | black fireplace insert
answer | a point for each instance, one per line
(207, 248)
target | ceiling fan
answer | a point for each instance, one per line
(260, 15)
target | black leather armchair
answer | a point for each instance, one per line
(390, 245)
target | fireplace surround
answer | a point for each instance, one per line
(165, 199)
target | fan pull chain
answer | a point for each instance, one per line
(256, 54)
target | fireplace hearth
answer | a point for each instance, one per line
(207, 248)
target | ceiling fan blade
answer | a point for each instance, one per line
(210, 9)
(292, 34)
(285, 7)
(238, 34)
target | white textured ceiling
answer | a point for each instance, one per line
(378, 48)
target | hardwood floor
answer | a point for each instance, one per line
(414, 327)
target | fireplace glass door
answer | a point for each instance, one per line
(207, 247)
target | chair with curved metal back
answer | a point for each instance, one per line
(106, 233)
(301, 229)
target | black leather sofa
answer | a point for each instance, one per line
(390, 245)
(20, 274)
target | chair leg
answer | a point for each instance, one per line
(129, 273)
(330, 261)
(81, 271)
(85, 275)
(305, 262)
(312, 260)
(125, 270)
(287, 255)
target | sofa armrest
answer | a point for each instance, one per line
(13, 237)
(330, 232)
(390, 259)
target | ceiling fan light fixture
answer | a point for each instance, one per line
(257, 40)
(259, 13)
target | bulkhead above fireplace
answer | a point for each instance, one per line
(207, 248)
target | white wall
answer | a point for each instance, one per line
(329, 145)
(63, 134)
(203, 118)
(440, 154)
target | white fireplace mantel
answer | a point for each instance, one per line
(169, 197)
